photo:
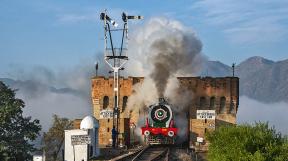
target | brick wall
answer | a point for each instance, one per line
(220, 94)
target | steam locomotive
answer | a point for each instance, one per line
(159, 128)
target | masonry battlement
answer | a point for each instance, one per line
(111, 77)
(219, 94)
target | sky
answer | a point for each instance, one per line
(66, 36)
(57, 34)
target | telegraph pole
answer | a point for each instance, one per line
(116, 58)
(96, 68)
(233, 69)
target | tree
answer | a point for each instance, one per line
(54, 138)
(246, 142)
(16, 131)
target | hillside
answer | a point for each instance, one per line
(260, 78)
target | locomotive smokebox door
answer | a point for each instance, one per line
(160, 129)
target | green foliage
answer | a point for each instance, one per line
(54, 138)
(246, 142)
(16, 131)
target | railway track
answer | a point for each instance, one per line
(153, 153)
(148, 153)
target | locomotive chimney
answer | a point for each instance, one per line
(162, 100)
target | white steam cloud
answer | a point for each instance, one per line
(161, 50)
(145, 47)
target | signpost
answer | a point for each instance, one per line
(206, 114)
(200, 139)
(106, 114)
(80, 139)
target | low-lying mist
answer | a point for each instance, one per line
(251, 111)
(64, 92)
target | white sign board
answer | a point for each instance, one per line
(37, 158)
(206, 114)
(106, 114)
(200, 139)
(80, 139)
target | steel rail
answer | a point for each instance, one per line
(128, 156)
(152, 153)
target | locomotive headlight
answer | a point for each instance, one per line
(170, 133)
(146, 133)
(160, 114)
